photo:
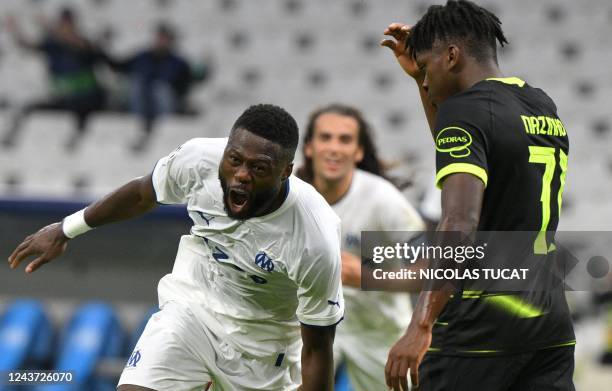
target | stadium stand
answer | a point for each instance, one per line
(296, 53)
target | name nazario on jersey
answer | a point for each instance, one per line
(543, 125)
(261, 260)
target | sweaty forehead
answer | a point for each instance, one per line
(253, 146)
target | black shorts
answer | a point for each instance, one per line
(542, 370)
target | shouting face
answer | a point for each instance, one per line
(252, 173)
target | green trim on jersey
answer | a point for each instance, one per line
(498, 351)
(461, 167)
(471, 294)
(514, 306)
(509, 80)
(561, 345)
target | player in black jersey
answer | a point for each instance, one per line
(501, 157)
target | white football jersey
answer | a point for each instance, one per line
(250, 281)
(373, 204)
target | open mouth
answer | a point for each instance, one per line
(332, 163)
(238, 199)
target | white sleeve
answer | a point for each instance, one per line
(317, 275)
(177, 175)
(171, 177)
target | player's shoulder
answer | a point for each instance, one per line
(367, 179)
(384, 199)
(318, 219)
(310, 202)
(542, 98)
(477, 98)
(369, 183)
(204, 145)
(197, 151)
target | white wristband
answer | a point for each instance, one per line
(75, 225)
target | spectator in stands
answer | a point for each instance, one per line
(71, 61)
(159, 80)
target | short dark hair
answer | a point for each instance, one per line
(370, 161)
(67, 14)
(272, 123)
(166, 29)
(475, 26)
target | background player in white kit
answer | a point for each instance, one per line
(342, 164)
(263, 254)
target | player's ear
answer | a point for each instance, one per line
(287, 171)
(359, 155)
(453, 52)
(308, 150)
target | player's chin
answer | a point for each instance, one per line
(240, 211)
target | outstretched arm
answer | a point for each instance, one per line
(133, 199)
(403, 53)
(317, 358)
(14, 30)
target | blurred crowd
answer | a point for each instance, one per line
(155, 81)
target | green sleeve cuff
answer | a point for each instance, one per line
(461, 167)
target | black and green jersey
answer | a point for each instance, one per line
(508, 134)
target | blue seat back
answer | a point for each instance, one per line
(93, 334)
(25, 335)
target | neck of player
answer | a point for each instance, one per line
(333, 190)
(477, 72)
(278, 201)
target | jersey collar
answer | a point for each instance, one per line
(509, 80)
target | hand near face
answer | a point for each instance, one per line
(403, 53)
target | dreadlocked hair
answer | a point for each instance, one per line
(461, 19)
(370, 161)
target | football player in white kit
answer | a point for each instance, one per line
(342, 164)
(257, 279)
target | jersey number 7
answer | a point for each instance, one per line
(546, 155)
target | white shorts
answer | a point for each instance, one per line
(176, 353)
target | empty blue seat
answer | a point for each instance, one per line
(93, 334)
(25, 336)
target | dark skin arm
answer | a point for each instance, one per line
(462, 196)
(317, 358)
(133, 199)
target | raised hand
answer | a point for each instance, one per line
(403, 53)
(46, 244)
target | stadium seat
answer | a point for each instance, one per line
(25, 336)
(93, 334)
(342, 380)
(44, 136)
(105, 154)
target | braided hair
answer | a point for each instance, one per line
(478, 28)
